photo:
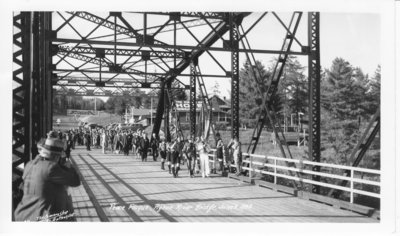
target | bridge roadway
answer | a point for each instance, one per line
(122, 189)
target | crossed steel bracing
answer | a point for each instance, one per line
(116, 53)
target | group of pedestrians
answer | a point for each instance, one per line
(195, 153)
(46, 179)
(114, 141)
(192, 153)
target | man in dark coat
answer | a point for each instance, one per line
(189, 151)
(124, 143)
(87, 140)
(144, 147)
(177, 154)
(155, 143)
(45, 181)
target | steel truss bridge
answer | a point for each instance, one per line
(115, 53)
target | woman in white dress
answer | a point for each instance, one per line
(104, 138)
(203, 148)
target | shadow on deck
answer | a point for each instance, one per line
(122, 188)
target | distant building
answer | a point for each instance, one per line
(140, 115)
(220, 110)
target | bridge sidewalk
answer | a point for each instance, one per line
(122, 188)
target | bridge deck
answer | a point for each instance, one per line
(122, 188)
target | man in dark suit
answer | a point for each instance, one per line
(124, 143)
(144, 147)
(154, 144)
(45, 180)
(87, 140)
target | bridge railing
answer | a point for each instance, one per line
(279, 167)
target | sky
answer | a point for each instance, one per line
(354, 37)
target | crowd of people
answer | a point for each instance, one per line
(192, 153)
(47, 177)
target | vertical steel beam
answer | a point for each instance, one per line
(314, 78)
(160, 110)
(21, 94)
(45, 73)
(167, 108)
(49, 62)
(35, 124)
(234, 46)
(192, 97)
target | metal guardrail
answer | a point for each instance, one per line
(277, 163)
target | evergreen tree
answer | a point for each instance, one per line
(374, 92)
(295, 84)
(344, 103)
(250, 99)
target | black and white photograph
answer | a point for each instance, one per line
(131, 117)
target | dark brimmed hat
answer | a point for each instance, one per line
(52, 146)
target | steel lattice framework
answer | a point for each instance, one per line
(21, 92)
(314, 78)
(116, 53)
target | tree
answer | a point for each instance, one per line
(250, 99)
(178, 93)
(215, 89)
(344, 102)
(374, 92)
(294, 86)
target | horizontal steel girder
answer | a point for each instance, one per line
(149, 74)
(123, 52)
(166, 46)
(103, 63)
(108, 24)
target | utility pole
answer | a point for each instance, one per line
(132, 114)
(126, 114)
(151, 110)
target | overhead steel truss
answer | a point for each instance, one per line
(109, 54)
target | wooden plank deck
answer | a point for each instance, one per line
(121, 188)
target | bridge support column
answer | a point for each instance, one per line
(167, 106)
(46, 73)
(314, 78)
(21, 93)
(192, 97)
(234, 45)
(41, 113)
(160, 110)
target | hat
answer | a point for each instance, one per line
(52, 146)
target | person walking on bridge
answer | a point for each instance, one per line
(111, 141)
(169, 156)
(190, 153)
(177, 155)
(163, 153)
(237, 155)
(174, 156)
(117, 142)
(204, 149)
(155, 143)
(219, 153)
(124, 142)
(87, 140)
(104, 140)
(144, 147)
